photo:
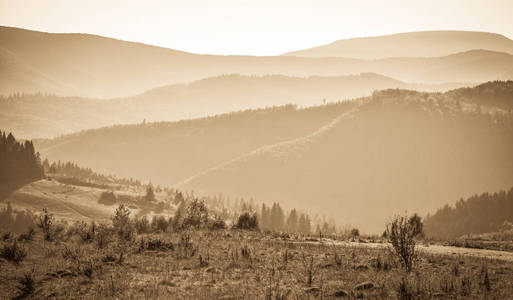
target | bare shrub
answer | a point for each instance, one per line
(28, 236)
(26, 286)
(309, 268)
(13, 252)
(45, 221)
(336, 258)
(401, 233)
(486, 279)
(204, 261)
(72, 254)
(245, 251)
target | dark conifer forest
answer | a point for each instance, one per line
(487, 212)
(18, 160)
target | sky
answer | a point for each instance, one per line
(258, 27)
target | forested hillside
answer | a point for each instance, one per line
(168, 152)
(483, 213)
(39, 115)
(498, 94)
(399, 151)
(337, 158)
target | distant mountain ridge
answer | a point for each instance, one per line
(410, 44)
(39, 116)
(93, 66)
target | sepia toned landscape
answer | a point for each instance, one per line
(147, 157)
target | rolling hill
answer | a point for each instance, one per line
(43, 116)
(95, 66)
(357, 161)
(410, 44)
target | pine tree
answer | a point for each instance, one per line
(265, 218)
(277, 218)
(292, 221)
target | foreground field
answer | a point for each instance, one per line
(232, 264)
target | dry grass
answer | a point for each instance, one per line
(233, 264)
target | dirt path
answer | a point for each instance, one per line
(273, 147)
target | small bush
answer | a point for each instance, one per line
(247, 221)
(217, 224)
(204, 261)
(7, 236)
(155, 245)
(107, 198)
(122, 223)
(108, 258)
(13, 252)
(28, 236)
(186, 246)
(103, 235)
(245, 251)
(86, 232)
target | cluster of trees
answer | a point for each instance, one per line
(477, 214)
(18, 160)
(274, 218)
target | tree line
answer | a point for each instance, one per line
(484, 213)
(73, 170)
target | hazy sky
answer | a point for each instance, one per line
(258, 27)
